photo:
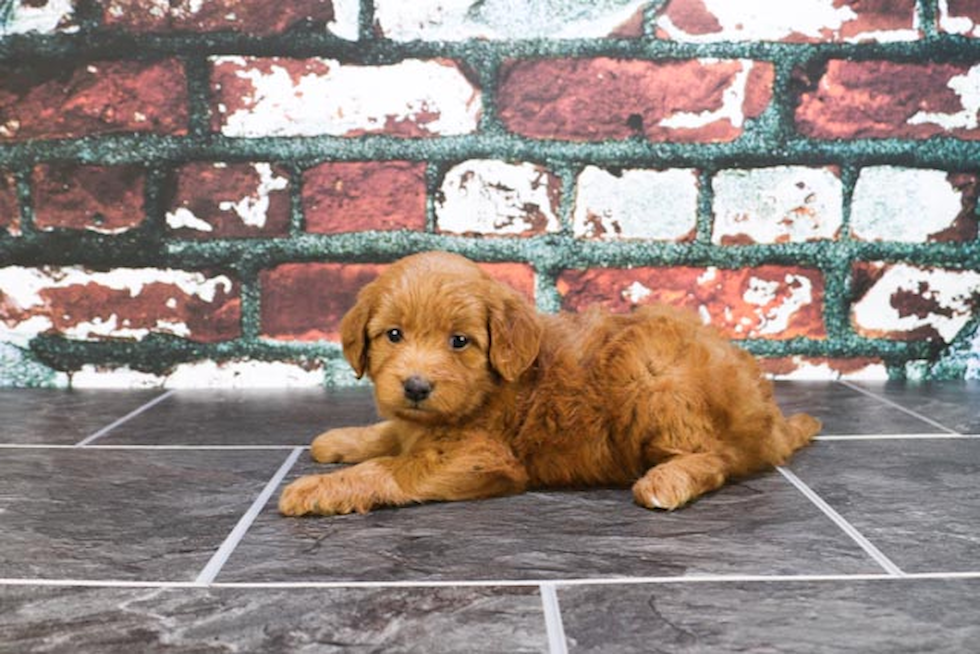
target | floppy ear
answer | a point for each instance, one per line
(353, 330)
(515, 333)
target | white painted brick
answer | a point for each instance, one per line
(206, 374)
(778, 20)
(458, 20)
(903, 204)
(777, 205)
(25, 311)
(45, 17)
(957, 24)
(636, 204)
(497, 198)
(908, 299)
(804, 368)
(346, 19)
(967, 89)
(319, 96)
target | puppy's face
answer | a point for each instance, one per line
(435, 334)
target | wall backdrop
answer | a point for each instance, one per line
(192, 191)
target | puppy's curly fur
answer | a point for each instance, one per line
(483, 397)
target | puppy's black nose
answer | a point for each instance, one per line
(417, 388)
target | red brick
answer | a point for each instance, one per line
(107, 199)
(777, 302)
(362, 196)
(122, 304)
(516, 275)
(882, 99)
(239, 200)
(256, 17)
(49, 102)
(810, 22)
(9, 205)
(595, 99)
(306, 301)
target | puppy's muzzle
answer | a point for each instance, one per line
(417, 388)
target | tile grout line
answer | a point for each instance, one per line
(220, 557)
(895, 405)
(890, 437)
(166, 448)
(492, 583)
(552, 619)
(129, 416)
(841, 522)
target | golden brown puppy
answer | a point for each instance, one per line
(484, 397)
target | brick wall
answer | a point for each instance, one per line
(192, 192)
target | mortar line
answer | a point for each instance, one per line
(895, 405)
(129, 416)
(274, 447)
(849, 529)
(557, 644)
(220, 557)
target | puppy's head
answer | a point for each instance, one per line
(437, 336)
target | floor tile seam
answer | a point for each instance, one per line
(893, 437)
(852, 532)
(554, 625)
(129, 416)
(496, 583)
(213, 567)
(896, 405)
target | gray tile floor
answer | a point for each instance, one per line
(145, 522)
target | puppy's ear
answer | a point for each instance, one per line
(515, 333)
(353, 329)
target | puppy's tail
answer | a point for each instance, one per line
(800, 430)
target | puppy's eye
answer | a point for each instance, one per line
(395, 335)
(458, 341)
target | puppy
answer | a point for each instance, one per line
(483, 397)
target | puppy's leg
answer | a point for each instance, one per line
(438, 471)
(355, 444)
(677, 481)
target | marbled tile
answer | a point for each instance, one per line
(760, 526)
(918, 501)
(844, 410)
(122, 515)
(953, 404)
(73, 620)
(894, 616)
(245, 417)
(63, 417)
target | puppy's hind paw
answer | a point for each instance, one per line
(666, 499)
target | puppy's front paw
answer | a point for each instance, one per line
(333, 446)
(313, 494)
